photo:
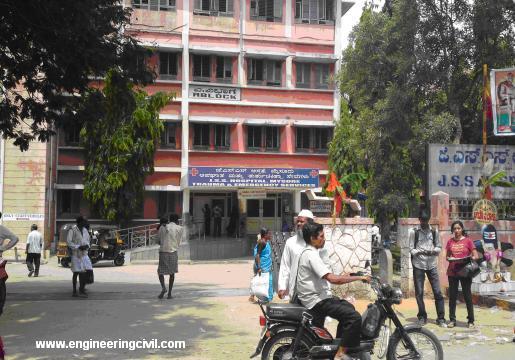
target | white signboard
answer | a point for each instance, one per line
(456, 169)
(252, 194)
(22, 217)
(214, 92)
(318, 206)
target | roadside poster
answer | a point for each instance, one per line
(502, 87)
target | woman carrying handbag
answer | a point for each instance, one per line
(460, 251)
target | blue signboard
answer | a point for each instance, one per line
(206, 176)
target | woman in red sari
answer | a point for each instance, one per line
(459, 250)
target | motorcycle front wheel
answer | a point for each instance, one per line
(426, 343)
(279, 347)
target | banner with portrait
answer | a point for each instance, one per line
(502, 87)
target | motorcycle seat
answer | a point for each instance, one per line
(291, 312)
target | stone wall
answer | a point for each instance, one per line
(349, 243)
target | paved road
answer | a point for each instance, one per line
(210, 312)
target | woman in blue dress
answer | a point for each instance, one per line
(263, 259)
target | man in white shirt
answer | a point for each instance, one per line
(292, 250)
(33, 250)
(169, 237)
(311, 284)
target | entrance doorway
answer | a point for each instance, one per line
(263, 213)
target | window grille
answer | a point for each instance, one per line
(314, 11)
(266, 10)
(213, 7)
(154, 5)
(167, 66)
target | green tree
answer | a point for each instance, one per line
(120, 147)
(50, 49)
(413, 76)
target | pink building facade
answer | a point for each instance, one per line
(254, 89)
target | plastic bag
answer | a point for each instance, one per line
(259, 285)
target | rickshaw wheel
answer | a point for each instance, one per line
(65, 263)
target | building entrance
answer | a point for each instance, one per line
(271, 212)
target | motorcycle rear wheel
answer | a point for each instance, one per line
(277, 348)
(425, 341)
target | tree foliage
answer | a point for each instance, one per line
(120, 146)
(49, 52)
(412, 75)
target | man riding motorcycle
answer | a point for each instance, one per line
(310, 286)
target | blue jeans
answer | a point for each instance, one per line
(419, 277)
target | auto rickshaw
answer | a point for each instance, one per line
(106, 244)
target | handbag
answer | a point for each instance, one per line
(470, 270)
(90, 278)
(259, 285)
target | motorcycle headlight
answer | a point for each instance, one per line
(396, 295)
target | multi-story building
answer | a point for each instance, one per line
(254, 89)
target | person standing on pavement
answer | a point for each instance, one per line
(424, 242)
(459, 250)
(217, 215)
(207, 219)
(33, 250)
(293, 247)
(169, 237)
(5, 233)
(263, 259)
(78, 250)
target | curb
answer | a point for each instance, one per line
(194, 262)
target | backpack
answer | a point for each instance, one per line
(433, 232)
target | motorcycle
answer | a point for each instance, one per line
(288, 333)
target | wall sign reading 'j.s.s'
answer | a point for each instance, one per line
(215, 93)
(456, 169)
(205, 176)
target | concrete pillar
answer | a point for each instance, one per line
(289, 69)
(440, 215)
(405, 225)
(296, 203)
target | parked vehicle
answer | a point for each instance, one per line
(106, 244)
(288, 333)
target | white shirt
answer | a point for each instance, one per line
(35, 242)
(292, 250)
(310, 286)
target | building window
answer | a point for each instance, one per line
(222, 136)
(322, 138)
(155, 5)
(168, 136)
(166, 202)
(202, 138)
(321, 76)
(68, 202)
(201, 135)
(167, 66)
(266, 10)
(213, 7)
(223, 69)
(303, 75)
(264, 72)
(313, 139)
(314, 11)
(72, 136)
(201, 68)
(263, 138)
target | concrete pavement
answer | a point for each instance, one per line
(210, 312)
